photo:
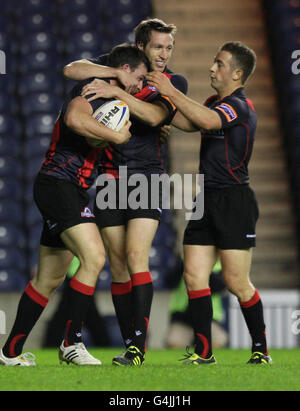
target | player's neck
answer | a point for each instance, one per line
(227, 91)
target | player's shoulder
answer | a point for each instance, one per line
(178, 80)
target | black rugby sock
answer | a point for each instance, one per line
(200, 306)
(30, 308)
(79, 298)
(254, 317)
(122, 300)
(142, 295)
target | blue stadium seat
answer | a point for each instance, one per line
(40, 103)
(40, 61)
(9, 146)
(10, 167)
(83, 41)
(11, 257)
(8, 42)
(79, 6)
(12, 280)
(35, 6)
(34, 236)
(36, 147)
(11, 236)
(39, 124)
(40, 81)
(8, 105)
(10, 126)
(11, 210)
(32, 215)
(79, 22)
(33, 22)
(40, 41)
(32, 167)
(10, 188)
(165, 235)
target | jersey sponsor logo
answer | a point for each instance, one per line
(228, 111)
(87, 213)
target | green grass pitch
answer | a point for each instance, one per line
(161, 372)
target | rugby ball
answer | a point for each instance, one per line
(112, 114)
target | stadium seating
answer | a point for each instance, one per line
(40, 81)
(283, 27)
(37, 102)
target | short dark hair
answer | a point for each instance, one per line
(243, 57)
(144, 29)
(127, 54)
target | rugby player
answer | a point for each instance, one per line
(128, 234)
(60, 192)
(227, 229)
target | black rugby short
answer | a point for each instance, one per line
(63, 205)
(229, 219)
(121, 214)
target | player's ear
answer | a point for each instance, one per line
(237, 75)
(140, 45)
(126, 67)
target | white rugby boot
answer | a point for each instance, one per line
(76, 354)
(24, 360)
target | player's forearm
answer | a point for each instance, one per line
(85, 125)
(201, 116)
(149, 113)
(182, 123)
(84, 69)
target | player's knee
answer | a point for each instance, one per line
(93, 262)
(137, 260)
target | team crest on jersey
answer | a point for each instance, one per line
(87, 213)
(228, 111)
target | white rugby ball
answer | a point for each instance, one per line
(113, 114)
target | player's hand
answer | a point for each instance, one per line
(98, 88)
(160, 81)
(164, 134)
(124, 134)
(127, 81)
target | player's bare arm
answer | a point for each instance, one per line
(201, 116)
(183, 123)
(152, 114)
(83, 69)
(79, 118)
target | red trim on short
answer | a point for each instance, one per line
(141, 278)
(254, 300)
(81, 288)
(121, 288)
(199, 293)
(205, 343)
(36, 296)
(13, 343)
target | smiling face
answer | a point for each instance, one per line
(159, 50)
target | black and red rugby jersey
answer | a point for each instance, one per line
(69, 156)
(142, 153)
(225, 153)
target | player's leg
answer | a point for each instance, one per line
(236, 265)
(114, 239)
(52, 268)
(85, 242)
(139, 237)
(199, 261)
